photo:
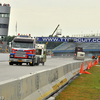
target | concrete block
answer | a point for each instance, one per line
(68, 76)
(78, 70)
(69, 67)
(33, 96)
(65, 69)
(43, 78)
(60, 72)
(53, 75)
(9, 89)
(74, 72)
(45, 91)
(53, 78)
(28, 85)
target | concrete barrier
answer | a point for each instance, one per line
(40, 85)
(4, 56)
(9, 90)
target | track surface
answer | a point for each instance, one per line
(14, 71)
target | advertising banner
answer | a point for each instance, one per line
(65, 39)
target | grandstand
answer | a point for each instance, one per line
(68, 49)
(66, 46)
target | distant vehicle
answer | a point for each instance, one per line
(41, 52)
(79, 54)
(94, 57)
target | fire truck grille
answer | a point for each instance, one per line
(20, 54)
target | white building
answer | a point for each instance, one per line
(4, 19)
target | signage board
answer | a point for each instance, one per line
(66, 39)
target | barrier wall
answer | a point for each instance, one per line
(4, 56)
(40, 85)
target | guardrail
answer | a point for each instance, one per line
(40, 85)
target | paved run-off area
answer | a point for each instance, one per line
(85, 87)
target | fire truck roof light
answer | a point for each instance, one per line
(23, 35)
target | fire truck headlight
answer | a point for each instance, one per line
(30, 57)
(11, 56)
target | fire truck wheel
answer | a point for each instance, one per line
(31, 64)
(43, 63)
(20, 63)
(10, 63)
(38, 61)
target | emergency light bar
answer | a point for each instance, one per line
(24, 35)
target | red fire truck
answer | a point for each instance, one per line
(23, 51)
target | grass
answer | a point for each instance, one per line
(85, 87)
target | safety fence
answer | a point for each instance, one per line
(42, 84)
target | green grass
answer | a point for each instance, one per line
(85, 87)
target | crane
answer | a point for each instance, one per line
(53, 32)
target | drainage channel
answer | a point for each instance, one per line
(52, 97)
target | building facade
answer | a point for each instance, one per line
(4, 20)
(4, 25)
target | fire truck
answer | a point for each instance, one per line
(23, 51)
(79, 54)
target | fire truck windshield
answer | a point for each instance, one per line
(22, 45)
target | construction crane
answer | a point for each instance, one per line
(53, 32)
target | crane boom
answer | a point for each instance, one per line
(55, 29)
(53, 32)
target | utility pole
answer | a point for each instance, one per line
(16, 28)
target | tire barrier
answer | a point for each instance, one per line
(42, 84)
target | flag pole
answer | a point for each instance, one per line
(16, 28)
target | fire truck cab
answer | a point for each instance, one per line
(23, 51)
(41, 52)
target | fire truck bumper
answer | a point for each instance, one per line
(20, 60)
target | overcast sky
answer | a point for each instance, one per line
(41, 17)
